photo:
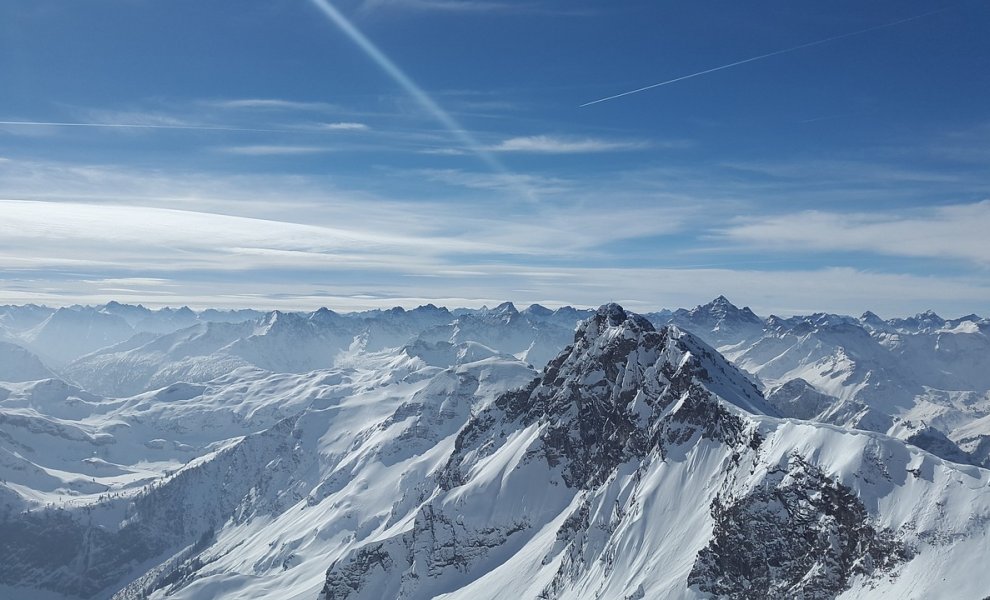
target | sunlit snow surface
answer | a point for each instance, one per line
(255, 456)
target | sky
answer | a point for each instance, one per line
(797, 156)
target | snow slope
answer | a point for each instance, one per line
(301, 342)
(19, 364)
(896, 376)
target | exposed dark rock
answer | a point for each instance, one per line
(801, 534)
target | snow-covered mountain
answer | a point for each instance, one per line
(719, 322)
(19, 364)
(641, 464)
(71, 332)
(896, 376)
(59, 336)
(300, 342)
(16, 319)
(638, 463)
(533, 335)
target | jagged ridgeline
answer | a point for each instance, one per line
(637, 463)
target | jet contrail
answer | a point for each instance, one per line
(762, 56)
(141, 126)
(417, 93)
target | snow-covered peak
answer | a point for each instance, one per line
(615, 340)
(922, 322)
(269, 322)
(324, 317)
(565, 316)
(505, 310)
(602, 400)
(722, 301)
(130, 313)
(873, 322)
(719, 322)
(69, 333)
(721, 309)
(20, 318)
(612, 321)
(19, 364)
(537, 311)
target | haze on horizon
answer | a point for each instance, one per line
(372, 153)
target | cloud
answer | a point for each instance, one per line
(93, 233)
(444, 151)
(546, 144)
(344, 126)
(272, 104)
(841, 290)
(148, 238)
(451, 6)
(274, 150)
(948, 232)
(83, 215)
(126, 118)
(474, 7)
(49, 126)
(506, 182)
(844, 172)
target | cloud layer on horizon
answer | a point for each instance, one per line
(294, 243)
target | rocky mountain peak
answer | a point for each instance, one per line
(537, 310)
(872, 320)
(430, 308)
(504, 309)
(324, 316)
(928, 319)
(721, 300)
(719, 323)
(618, 392)
(720, 305)
(273, 317)
(613, 321)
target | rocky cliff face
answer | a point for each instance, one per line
(801, 535)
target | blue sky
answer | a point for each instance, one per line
(363, 153)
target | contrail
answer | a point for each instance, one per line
(768, 55)
(417, 93)
(142, 126)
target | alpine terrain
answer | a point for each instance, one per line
(494, 453)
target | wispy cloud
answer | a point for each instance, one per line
(269, 240)
(272, 104)
(954, 232)
(460, 6)
(130, 118)
(839, 290)
(548, 144)
(168, 216)
(843, 172)
(470, 7)
(444, 151)
(473, 6)
(274, 150)
(134, 126)
(344, 126)
(507, 182)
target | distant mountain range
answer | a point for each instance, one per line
(492, 453)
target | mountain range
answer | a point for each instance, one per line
(492, 453)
